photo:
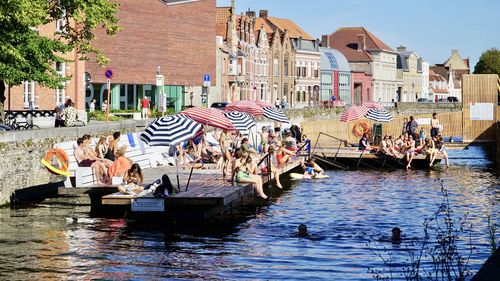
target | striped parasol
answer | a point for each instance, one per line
(379, 115)
(242, 121)
(372, 105)
(170, 130)
(209, 116)
(354, 113)
(262, 103)
(245, 106)
(275, 114)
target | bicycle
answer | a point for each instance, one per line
(14, 125)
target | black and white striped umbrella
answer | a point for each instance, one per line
(379, 115)
(170, 130)
(242, 121)
(275, 115)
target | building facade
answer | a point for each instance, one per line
(409, 71)
(336, 77)
(281, 58)
(369, 55)
(307, 60)
(425, 81)
(173, 38)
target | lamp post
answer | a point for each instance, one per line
(160, 84)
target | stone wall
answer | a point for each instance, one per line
(22, 151)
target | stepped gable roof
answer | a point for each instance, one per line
(345, 40)
(221, 18)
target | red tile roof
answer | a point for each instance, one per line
(345, 40)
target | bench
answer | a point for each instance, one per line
(146, 156)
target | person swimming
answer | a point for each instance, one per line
(302, 230)
(396, 235)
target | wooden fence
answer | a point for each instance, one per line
(476, 88)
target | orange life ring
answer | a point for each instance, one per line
(360, 128)
(62, 159)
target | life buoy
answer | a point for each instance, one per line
(62, 159)
(360, 128)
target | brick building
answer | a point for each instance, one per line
(176, 37)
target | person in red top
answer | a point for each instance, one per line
(145, 107)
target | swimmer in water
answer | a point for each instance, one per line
(302, 230)
(396, 235)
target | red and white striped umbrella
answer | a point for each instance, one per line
(209, 116)
(245, 106)
(354, 113)
(370, 105)
(263, 104)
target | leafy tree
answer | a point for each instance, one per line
(489, 62)
(27, 54)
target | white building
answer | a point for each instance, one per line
(425, 81)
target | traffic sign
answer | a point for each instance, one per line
(203, 100)
(108, 73)
(108, 83)
(206, 80)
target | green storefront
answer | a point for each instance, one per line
(128, 97)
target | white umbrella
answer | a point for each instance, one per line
(379, 115)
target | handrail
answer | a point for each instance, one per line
(263, 158)
(341, 141)
(307, 142)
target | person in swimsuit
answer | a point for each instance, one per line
(410, 151)
(225, 143)
(132, 181)
(113, 147)
(274, 169)
(85, 160)
(264, 137)
(434, 125)
(283, 155)
(243, 176)
(441, 149)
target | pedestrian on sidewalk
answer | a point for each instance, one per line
(145, 107)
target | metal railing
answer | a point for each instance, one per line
(267, 158)
(325, 158)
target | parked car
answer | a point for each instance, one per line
(424, 100)
(219, 105)
(448, 99)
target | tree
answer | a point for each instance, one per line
(26, 54)
(489, 62)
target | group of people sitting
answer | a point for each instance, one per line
(105, 158)
(406, 146)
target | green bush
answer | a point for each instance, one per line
(101, 116)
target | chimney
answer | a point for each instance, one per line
(361, 42)
(251, 14)
(263, 14)
(325, 41)
(401, 49)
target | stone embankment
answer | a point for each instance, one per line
(22, 151)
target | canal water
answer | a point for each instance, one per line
(346, 214)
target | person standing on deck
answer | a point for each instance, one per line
(434, 125)
(411, 128)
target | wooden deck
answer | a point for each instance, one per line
(347, 157)
(207, 195)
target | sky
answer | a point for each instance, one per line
(430, 28)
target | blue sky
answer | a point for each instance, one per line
(429, 27)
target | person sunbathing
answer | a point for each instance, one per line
(132, 181)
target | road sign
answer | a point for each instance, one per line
(159, 80)
(108, 83)
(108, 73)
(206, 80)
(203, 100)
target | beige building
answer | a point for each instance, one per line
(281, 72)
(248, 59)
(307, 60)
(409, 71)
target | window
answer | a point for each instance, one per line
(275, 66)
(61, 23)
(60, 92)
(304, 71)
(298, 71)
(29, 94)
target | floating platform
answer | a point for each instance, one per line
(349, 158)
(207, 196)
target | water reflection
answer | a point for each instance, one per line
(348, 211)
